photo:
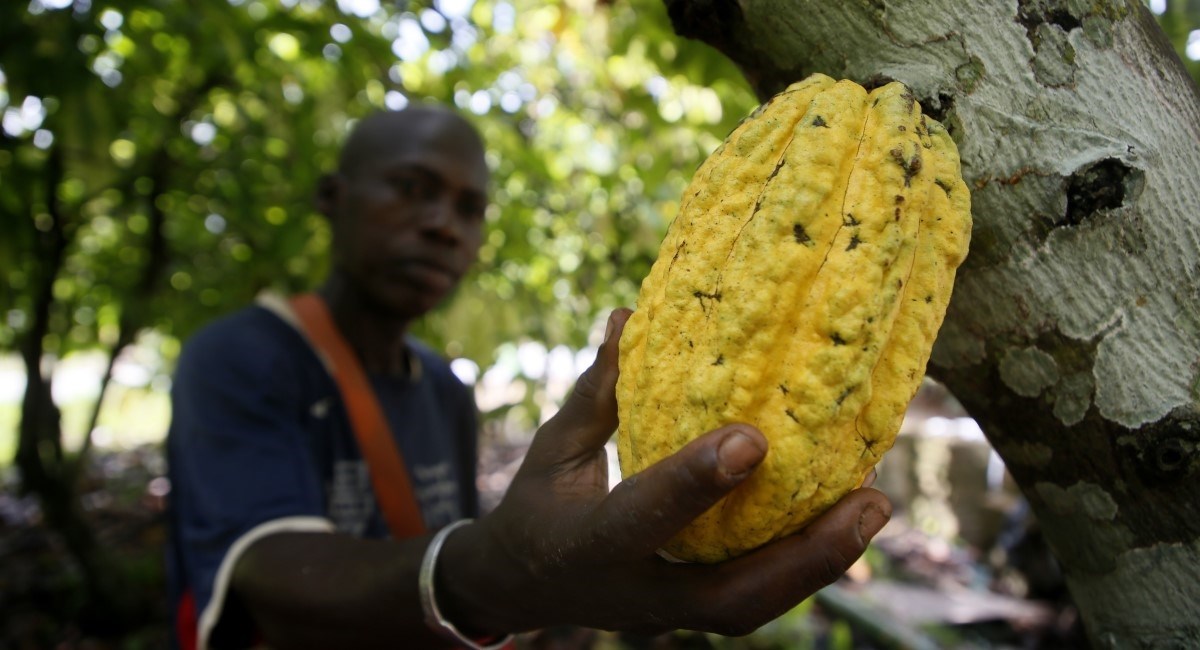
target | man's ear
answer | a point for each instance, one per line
(329, 191)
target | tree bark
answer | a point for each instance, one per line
(1074, 331)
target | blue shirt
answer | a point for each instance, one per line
(259, 434)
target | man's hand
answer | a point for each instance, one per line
(561, 549)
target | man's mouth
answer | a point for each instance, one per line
(425, 273)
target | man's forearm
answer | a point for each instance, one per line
(324, 590)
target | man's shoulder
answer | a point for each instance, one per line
(251, 324)
(251, 333)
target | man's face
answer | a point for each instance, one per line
(408, 222)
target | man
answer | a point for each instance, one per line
(276, 535)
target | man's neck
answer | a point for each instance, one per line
(377, 338)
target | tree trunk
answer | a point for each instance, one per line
(46, 471)
(1074, 331)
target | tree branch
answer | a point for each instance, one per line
(132, 320)
(38, 412)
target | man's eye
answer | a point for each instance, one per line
(405, 185)
(416, 186)
(472, 209)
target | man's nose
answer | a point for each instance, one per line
(440, 219)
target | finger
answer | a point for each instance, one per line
(869, 478)
(588, 418)
(649, 508)
(756, 588)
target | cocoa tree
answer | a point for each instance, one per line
(1074, 331)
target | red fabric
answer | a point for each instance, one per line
(187, 627)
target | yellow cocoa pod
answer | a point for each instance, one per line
(799, 289)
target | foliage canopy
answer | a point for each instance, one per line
(170, 150)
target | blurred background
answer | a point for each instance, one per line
(157, 161)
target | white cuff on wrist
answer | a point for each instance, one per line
(425, 582)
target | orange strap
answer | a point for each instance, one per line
(389, 478)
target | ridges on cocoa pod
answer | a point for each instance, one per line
(799, 289)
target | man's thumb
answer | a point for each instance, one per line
(646, 510)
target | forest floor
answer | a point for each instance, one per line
(911, 591)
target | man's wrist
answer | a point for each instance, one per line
(458, 601)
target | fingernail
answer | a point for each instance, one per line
(608, 329)
(871, 521)
(738, 454)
